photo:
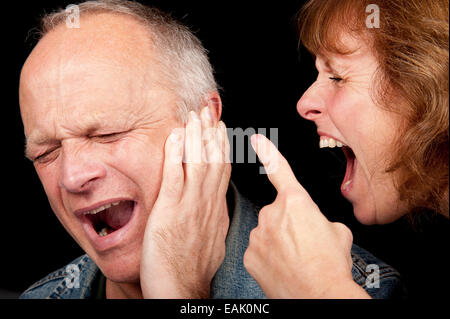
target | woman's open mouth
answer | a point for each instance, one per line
(350, 157)
(350, 169)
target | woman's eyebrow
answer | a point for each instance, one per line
(338, 65)
(322, 63)
(325, 64)
(328, 63)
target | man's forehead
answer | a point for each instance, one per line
(102, 38)
(88, 73)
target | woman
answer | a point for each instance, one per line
(382, 95)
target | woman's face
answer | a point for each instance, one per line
(340, 102)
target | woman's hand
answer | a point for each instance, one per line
(184, 241)
(295, 252)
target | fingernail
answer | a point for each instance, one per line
(254, 139)
(207, 113)
(194, 116)
(175, 135)
(176, 150)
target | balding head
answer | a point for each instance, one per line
(179, 53)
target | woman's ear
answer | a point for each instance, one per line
(214, 103)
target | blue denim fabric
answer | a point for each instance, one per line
(390, 283)
(231, 280)
(61, 284)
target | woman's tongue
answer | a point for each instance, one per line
(117, 216)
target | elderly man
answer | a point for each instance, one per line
(98, 102)
(102, 103)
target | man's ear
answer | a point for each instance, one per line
(214, 103)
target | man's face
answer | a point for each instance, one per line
(96, 121)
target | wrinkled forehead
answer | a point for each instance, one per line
(90, 70)
(80, 81)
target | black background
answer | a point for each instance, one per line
(253, 48)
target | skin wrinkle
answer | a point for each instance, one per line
(129, 121)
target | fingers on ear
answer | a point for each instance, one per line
(173, 174)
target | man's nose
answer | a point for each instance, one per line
(79, 170)
(311, 105)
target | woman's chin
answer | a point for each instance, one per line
(367, 213)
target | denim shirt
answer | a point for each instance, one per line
(232, 281)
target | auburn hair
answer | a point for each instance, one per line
(411, 45)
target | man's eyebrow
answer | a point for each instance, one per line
(37, 141)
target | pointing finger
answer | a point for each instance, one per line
(277, 168)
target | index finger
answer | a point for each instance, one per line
(277, 167)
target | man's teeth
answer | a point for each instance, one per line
(330, 142)
(95, 211)
(103, 232)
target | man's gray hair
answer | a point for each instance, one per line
(182, 57)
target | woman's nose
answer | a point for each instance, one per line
(311, 105)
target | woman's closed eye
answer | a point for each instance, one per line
(335, 79)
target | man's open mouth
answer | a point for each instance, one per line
(110, 217)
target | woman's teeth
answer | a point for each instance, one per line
(330, 142)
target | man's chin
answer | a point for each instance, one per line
(122, 274)
(121, 269)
